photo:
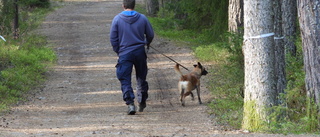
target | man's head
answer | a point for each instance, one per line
(129, 4)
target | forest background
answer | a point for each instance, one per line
(201, 25)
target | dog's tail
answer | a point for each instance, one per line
(177, 69)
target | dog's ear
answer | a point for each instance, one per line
(199, 64)
(195, 65)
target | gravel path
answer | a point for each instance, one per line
(82, 95)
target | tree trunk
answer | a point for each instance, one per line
(259, 56)
(289, 25)
(16, 21)
(235, 15)
(279, 49)
(152, 7)
(309, 19)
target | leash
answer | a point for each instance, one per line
(148, 46)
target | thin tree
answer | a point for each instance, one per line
(309, 19)
(5, 17)
(235, 12)
(235, 27)
(152, 7)
(289, 25)
(16, 20)
(259, 57)
(279, 49)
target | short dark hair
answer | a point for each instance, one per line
(129, 4)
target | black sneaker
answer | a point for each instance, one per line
(142, 106)
(131, 109)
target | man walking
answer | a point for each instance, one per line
(130, 32)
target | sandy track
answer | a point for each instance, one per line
(82, 95)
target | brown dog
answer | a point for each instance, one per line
(189, 82)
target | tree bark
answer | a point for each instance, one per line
(279, 50)
(235, 12)
(289, 25)
(259, 56)
(309, 19)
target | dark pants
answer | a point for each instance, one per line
(138, 59)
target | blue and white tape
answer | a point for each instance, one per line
(2, 38)
(260, 36)
(263, 36)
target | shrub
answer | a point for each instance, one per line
(36, 3)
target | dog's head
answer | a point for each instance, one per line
(203, 70)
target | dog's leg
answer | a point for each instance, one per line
(182, 96)
(198, 93)
(192, 96)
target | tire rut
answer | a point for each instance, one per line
(162, 81)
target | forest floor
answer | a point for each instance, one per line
(82, 95)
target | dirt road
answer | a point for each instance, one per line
(82, 95)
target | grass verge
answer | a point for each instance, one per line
(24, 61)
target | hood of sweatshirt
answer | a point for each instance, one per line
(129, 16)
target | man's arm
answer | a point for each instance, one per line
(114, 38)
(149, 32)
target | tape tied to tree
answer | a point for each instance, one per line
(2, 38)
(259, 36)
(276, 38)
(263, 36)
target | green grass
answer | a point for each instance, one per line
(22, 69)
(167, 28)
(227, 105)
(24, 61)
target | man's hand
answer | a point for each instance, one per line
(148, 47)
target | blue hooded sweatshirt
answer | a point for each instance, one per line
(129, 31)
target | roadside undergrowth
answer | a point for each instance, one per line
(224, 51)
(24, 61)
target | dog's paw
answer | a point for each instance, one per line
(182, 104)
